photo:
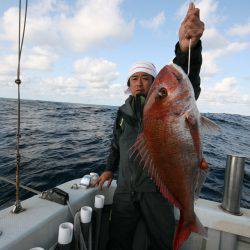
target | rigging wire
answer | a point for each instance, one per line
(24, 26)
(18, 208)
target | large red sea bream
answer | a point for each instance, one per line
(170, 145)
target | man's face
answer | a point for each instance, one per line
(140, 83)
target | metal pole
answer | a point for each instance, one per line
(234, 174)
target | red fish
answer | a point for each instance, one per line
(170, 145)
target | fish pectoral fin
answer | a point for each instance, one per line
(192, 125)
(190, 118)
(209, 127)
(200, 177)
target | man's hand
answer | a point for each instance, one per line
(106, 176)
(191, 28)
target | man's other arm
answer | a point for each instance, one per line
(181, 59)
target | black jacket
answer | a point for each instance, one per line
(131, 176)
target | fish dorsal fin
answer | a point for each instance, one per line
(141, 149)
(209, 127)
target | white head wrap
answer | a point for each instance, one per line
(142, 66)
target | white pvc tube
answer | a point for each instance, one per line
(37, 248)
(85, 214)
(65, 234)
(99, 201)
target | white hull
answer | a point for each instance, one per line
(38, 225)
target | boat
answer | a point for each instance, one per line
(38, 224)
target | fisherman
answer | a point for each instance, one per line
(137, 199)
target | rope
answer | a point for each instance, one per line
(18, 207)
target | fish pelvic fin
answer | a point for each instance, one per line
(209, 127)
(140, 148)
(200, 178)
(185, 228)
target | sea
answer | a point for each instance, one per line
(64, 141)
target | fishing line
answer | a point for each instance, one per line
(189, 55)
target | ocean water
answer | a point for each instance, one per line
(64, 141)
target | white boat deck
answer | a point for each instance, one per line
(38, 225)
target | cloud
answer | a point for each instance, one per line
(225, 92)
(76, 26)
(36, 58)
(112, 95)
(39, 59)
(240, 30)
(90, 74)
(155, 22)
(95, 72)
(94, 23)
(247, 78)
(7, 80)
(94, 80)
(60, 85)
(54, 25)
(226, 85)
(9, 25)
(213, 39)
(73, 89)
(210, 67)
(208, 11)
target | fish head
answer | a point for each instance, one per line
(171, 93)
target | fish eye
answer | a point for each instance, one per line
(162, 93)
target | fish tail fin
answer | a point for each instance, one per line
(184, 229)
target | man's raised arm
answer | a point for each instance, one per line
(191, 28)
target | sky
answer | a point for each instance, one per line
(80, 51)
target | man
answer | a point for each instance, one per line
(137, 197)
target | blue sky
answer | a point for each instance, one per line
(80, 51)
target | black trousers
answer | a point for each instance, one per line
(156, 213)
